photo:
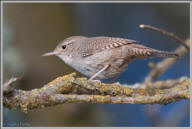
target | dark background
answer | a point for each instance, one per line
(30, 30)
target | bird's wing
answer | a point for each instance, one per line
(93, 45)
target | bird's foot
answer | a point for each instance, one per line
(95, 81)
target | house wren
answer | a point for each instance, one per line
(102, 57)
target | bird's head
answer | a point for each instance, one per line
(66, 48)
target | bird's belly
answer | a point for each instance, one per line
(89, 66)
(93, 64)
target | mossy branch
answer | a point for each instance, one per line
(69, 89)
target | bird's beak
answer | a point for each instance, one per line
(50, 53)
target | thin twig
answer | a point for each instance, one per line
(171, 35)
(163, 65)
(7, 87)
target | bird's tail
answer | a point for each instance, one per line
(143, 52)
(158, 53)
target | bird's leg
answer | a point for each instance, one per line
(114, 78)
(96, 74)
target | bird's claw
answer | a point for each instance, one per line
(96, 81)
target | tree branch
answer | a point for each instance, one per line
(159, 68)
(69, 89)
(169, 34)
(163, 65)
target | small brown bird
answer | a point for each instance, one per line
(102, 57)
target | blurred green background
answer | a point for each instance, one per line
(32, 29)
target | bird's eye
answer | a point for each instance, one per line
(64, 46)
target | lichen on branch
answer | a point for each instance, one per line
(70, 89)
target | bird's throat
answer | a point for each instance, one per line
(67, 59)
